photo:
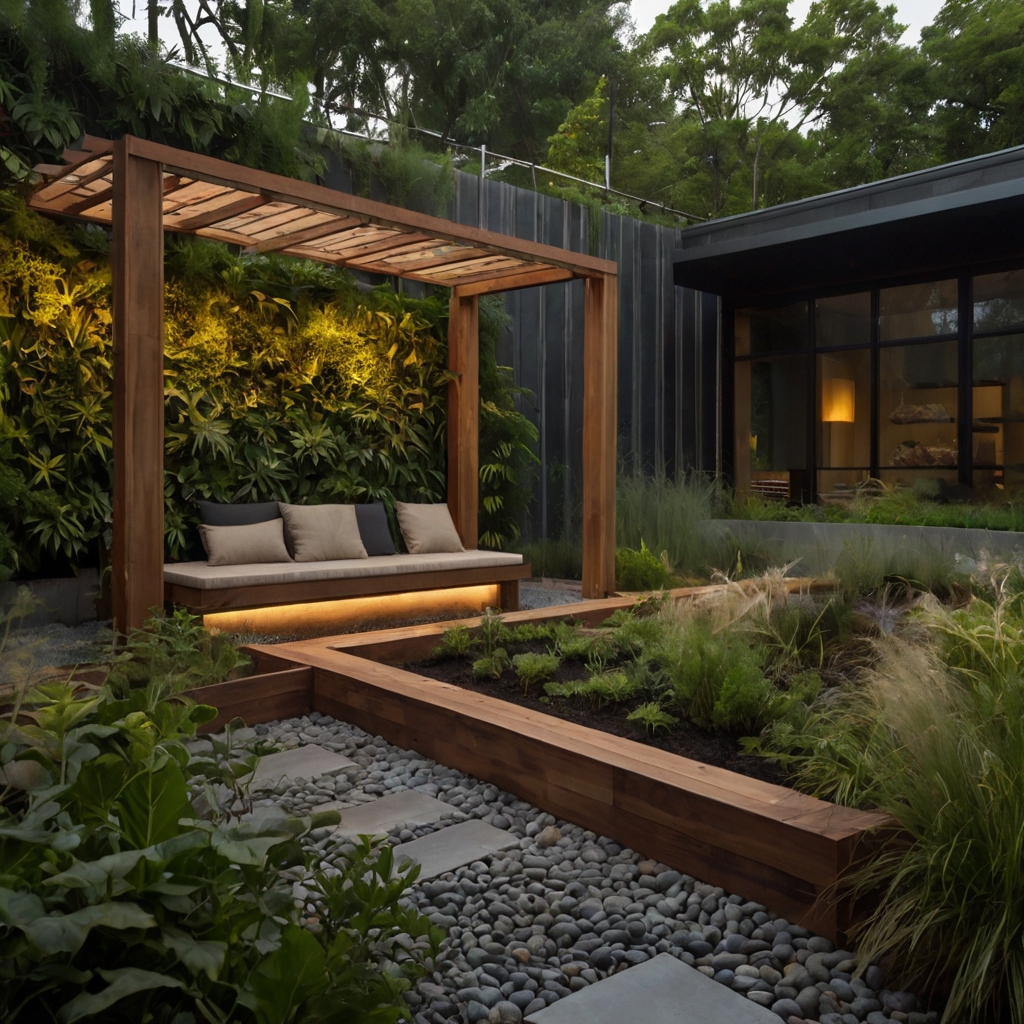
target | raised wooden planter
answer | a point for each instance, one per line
(767, 842)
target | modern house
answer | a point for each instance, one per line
(873, 332)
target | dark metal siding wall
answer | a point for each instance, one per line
(668, 345)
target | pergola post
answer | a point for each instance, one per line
(600, 366)
(464, 415)
(138, 280)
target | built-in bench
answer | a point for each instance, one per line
(203, 588)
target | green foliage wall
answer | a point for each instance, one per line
(283, 381)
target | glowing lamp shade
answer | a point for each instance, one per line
(838, 400)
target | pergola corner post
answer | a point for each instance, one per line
(138, 282)
(464, 416)
(600, 369)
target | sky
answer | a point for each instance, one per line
(913, 13)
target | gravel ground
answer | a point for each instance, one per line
(567, 908)
(56, 645)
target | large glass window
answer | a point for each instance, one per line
(843, 320)
(771, 426)
(997, 437)
(761, 332)
(917, 310)
(999, 300)
(917, 393)
(844, 420)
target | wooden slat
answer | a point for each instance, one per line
(320, 197)
(600, 363)
(138, 275)
(286, 240)
(464, 417)
(260, 698)
(205, 218)
(84, 174)
(79, 206)
(511, 282)
(476, 270)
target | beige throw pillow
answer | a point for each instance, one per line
(322, 533)
(427, 529)
(245, 545)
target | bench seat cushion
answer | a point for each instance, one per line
(203, 576)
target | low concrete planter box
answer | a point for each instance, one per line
(767, 842)
(815, 547)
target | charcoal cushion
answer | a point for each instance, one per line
(243, 513)
(254, 543)
(374, 529)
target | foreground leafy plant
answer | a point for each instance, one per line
(130, 891)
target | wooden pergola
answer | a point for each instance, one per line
(142, 189)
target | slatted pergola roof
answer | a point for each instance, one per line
(142, 189)
(267, 213)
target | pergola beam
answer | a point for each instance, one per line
(464, 416)
(600, 370)
(143, 188)
(138, 279)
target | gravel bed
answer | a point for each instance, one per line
(31, 650)
(529, 926)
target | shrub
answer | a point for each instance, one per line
(640, 570)
(127, 895)
(716, 678)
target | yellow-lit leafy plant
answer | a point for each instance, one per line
(282, 382)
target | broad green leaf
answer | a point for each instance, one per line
(65, 933)
(285, 979)
(151, 805)
(123, 982)
(195, 954)
(249, 852)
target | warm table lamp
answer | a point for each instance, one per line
(838, 399)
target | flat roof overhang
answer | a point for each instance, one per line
(960, 214)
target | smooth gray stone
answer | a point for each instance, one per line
(454, 846)
(384, 814)
(661, 991)
(305, 762)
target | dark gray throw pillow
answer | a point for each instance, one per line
(373, 529)
(243, 513)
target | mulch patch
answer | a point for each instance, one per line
(718, 749)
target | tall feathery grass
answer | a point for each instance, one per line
(934, 735)
(666, 515)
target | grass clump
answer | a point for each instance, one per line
(933, 734)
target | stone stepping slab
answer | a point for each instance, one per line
(382, 815)
(454, 846)
(306, 762)
(661, 991)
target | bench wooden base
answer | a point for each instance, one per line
(202, 601)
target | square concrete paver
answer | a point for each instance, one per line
(454, 846)
(661, 991)
(299, 763)
(384, 814)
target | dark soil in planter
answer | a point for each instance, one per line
(684, 738)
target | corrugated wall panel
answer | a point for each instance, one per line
(668, 343)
